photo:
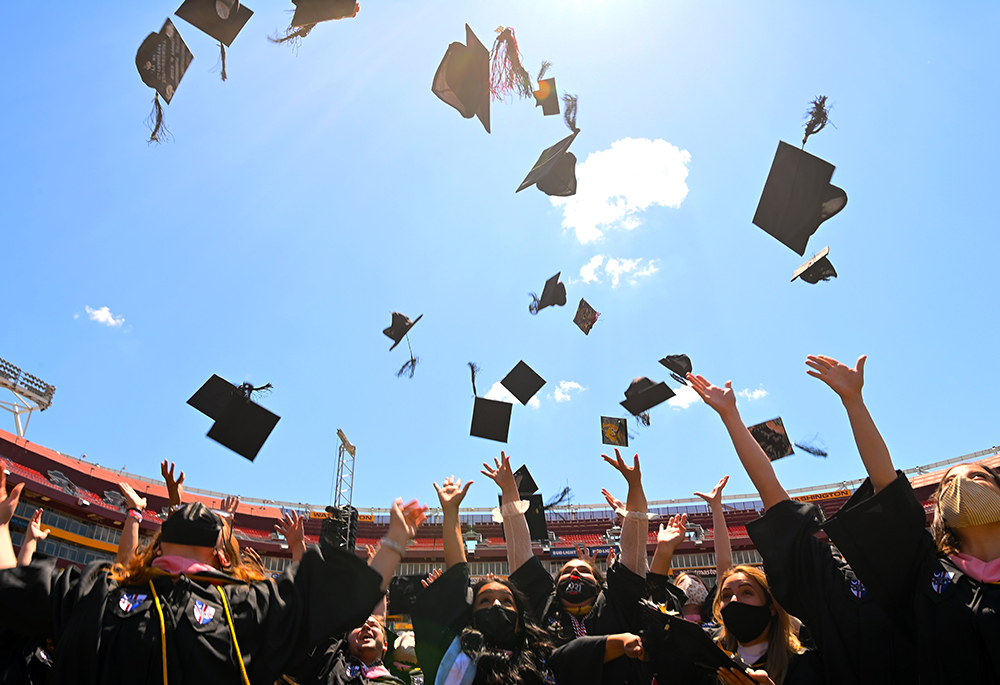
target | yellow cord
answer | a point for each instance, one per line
(163, 630)
(232, 630)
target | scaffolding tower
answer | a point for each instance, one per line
(30, 393)
(344, 480)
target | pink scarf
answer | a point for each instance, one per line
(983, 571)
(375, 671)
(176, 565)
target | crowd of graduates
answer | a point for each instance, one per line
(891, 602)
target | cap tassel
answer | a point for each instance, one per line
(565, 495)
(569, 115)
(546, 65)
(249, 391)
(158, 132)
(411, 365)
(222, 54)
(533, 307)
(292, 35)
(474, 369)
(643, 418)
(819, 117)
(507, 74)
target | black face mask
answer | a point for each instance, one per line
(498, 626)
(744, 621)
(575, 589)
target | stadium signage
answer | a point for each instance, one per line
(819, 497)
(370, 518)
(562, 552)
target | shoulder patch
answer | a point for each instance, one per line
(203, 613)
(858, 588)
(941, 581)
(130, 601)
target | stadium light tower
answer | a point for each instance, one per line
(344, 483)
(30, 393)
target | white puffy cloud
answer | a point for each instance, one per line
(615, 268)
(614, 185)
(562, 393)
(104, 316)
(752, 395)
(685, 396)
(502, 394)
(588, 272)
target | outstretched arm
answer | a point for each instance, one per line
(847, 383)
(292, 528)
(130, 529)
(404, 519)
(667, 540)
(8, 503)
(451, 495)
(723, 550)
(756, 463)
(515, 525)
(175, 488)
(635, 527)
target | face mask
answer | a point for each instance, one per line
(965, 502)
(576, 589)
(744, 621)
(695, 591)
(498, 626)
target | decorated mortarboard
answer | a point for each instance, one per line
(399, 329)
(614, 431)
(162, 60)
(193, 524)
(554, 293)
(462, 80)
(308, 13)
(241, 424)
(526, 485)
(546, 96)
(816, 269)
(221, 19)
(586, 316)
(679, 366)
(798, 195)
(555, 171)
(523, 382)
(772, 438)
(490, 418)
(643, 394)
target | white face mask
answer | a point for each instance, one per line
(965, 502)
(695, 591)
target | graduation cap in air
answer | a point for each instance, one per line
(490, 418)
(555, 171)
(614, 431)
(462, 80)
(401, 325)
(679, 366)
(554, 293)
(546, 96)
(221, 19)
(523, 382)
(586, 316)
(527, 490)
(816, 269)
(241, 424)
(643, 394)
(162, 60)
(772, 438)
(526, 485)
(308, 13)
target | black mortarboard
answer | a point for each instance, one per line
(194, 524)
(554, 293)
(772, 438)
(221, 19)
(797, 197)
(314, 11)
(816, 269)
(491, 419)
(526, 485)
(547, 97)
(523, 382)
(614, 431)
(212, 397)
(586, 316)
(679, 365)
(555, 171)
(643, 394)
(463, 78)
(162, 60)
(240, 424)
(401, 325)
(681, 650)
(535, 516)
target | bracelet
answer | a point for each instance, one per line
(134, 513)
(394, 546)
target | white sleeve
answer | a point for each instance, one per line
(635, 534)
(515, 529)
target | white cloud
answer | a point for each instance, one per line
(104, 316)
(502, 394)
(562, 393)
(613, 185)
(685, 396)
(752, 395)
(615, 268)
(588, 272)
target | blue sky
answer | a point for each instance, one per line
(315, 192)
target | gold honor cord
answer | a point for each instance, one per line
(163, 630)
(232, 631)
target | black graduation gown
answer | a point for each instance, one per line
(856, 640)
(951, 618)
(109, 634)
(330, 663)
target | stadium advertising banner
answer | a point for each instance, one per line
(562, 552)
(819, 497)
(370, 518)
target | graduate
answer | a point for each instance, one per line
(852, 633)
(942, 590)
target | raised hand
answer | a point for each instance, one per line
(721, 400)
(842, 379)
(613, 501)
(229, 504)
(431, 577)
(714, 498)
(175, 488)
(292, 528)
(35, 531)
(673, 533)
(502, 475)
(404, 519)
(132, 499)
(371, 550)
(452, 493)
(8, 503)
(632, 474)
(250, 556)
(582, 554)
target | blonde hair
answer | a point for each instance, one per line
(782, 644)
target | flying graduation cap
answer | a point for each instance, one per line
(614, 431)
(546, 96)
(816, 269)
(523, 382)
(162, 60)
(490, 418)
(308, 13)
(221, 19)
(772, 438)
(679, 366)
(555, 171)
(643, 394)
(241, 424)
(527, 490)
(586, 316)
(554, 293)
(462, 80)
(399, 329)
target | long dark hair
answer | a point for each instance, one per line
(525, 664)
(945, 537)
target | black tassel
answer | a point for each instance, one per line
(533, 307)
(158, 132)
(569, 115)
(409, 367)
(643, 418)
(222, 51)
(563, 496)
(546, 65)
(250, 392)
(292, 35)
(507, 74)
(474, 369)
(819, 117)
